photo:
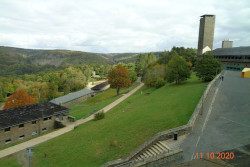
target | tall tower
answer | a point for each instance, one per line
(206, 34)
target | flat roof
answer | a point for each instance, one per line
(71, 96)
(234, 51)
(100, 86)
(210, 15)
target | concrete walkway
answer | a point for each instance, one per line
(224, 124)
(44, 138)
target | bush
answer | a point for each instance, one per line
(160, 82)
(113, 143)
(99, 115)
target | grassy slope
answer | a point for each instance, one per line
(131, 123)
(10, 161)
(101, 100)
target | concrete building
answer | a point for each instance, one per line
(73, 98)
(235, 58)
(17, 124)
(101, 87)
(206, 34)
(227, 44)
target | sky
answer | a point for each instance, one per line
(116, 26)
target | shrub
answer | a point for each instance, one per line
(99, 115)
(160, 82)
(149, 81)
(113, 143)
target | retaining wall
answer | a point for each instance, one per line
(164, 135)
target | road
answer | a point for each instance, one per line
(225, 121)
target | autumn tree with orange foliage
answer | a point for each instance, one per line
(19, 98)
(118, 78)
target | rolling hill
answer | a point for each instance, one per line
(18, 61)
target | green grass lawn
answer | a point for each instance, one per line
(10, 161)
(131, 123)
(101, 100)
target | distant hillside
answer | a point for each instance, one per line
(19, 61)
(123, 57)
(128, 57)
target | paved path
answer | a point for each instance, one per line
(224, 123)
(44, 138)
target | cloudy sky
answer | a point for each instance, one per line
(110, 26)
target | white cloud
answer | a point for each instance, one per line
(119, 26)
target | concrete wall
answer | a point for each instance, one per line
(185, 129)
(29, 128)
(206, 33)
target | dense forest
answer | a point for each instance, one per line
(47, 74)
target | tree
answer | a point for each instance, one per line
(132, 76)
(118, 78)
(19, 98)
(153, 73)
(177, 70)
(143, 61)
(207, 67)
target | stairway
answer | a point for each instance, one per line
(154, 150)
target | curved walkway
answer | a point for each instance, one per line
(44, 138)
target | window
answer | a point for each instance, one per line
(33, 122)
(44, 129)
(21, 137)
(6, 129)
(21, 125)
(46, 119)
(7, 141)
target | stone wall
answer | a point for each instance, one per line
(185, 129)
(29, 130)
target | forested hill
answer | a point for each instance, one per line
(17, 61)
(128, 57)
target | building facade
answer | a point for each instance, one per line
(227, 44)
(235, 58)
(17, 124)
(206, 34)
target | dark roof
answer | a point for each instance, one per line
(100, 86)
(71, 96)
(207, 15)
(20, 115)
(235, 51)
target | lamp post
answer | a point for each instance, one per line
(29, 154)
